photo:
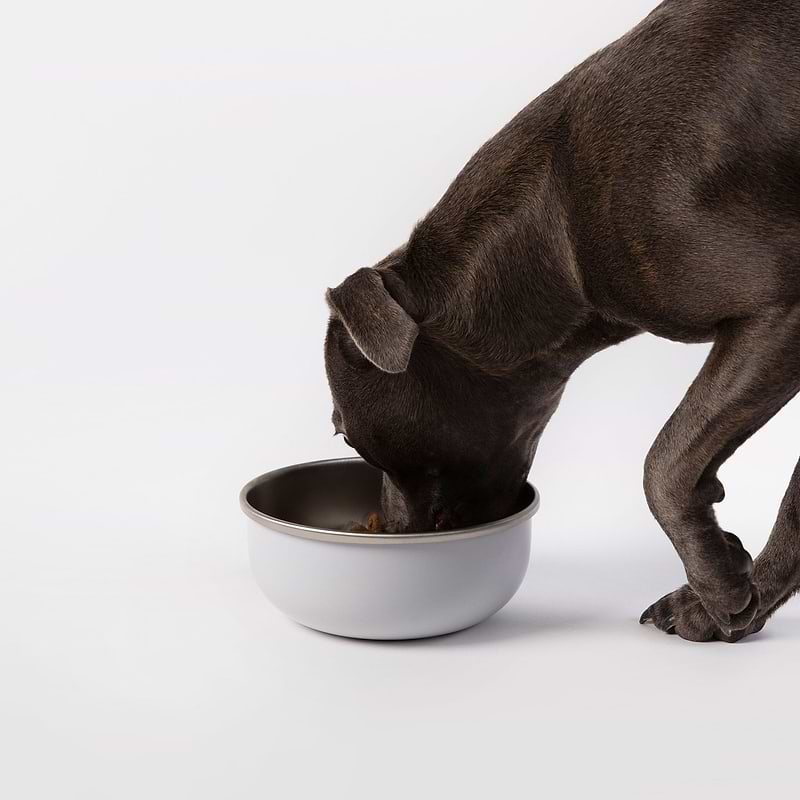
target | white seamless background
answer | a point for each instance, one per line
(180, 183)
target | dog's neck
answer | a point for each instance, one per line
(493, 265)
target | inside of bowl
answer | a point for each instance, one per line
(329, 494)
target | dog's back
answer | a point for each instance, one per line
(684, 153)
(672, 157)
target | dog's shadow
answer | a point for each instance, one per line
(520, 622)
(510, 623)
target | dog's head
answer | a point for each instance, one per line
(455, 443)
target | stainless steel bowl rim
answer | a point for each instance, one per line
(348, 537)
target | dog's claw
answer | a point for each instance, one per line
(647, 617)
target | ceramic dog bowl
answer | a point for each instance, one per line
(375, 585)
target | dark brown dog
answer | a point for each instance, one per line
(654, 188)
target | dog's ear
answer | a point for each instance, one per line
(380, 327)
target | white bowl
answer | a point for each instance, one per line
(375, 585)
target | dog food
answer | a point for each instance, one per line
(374, 525)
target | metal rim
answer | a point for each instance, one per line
(347, 537)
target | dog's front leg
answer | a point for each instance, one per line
(752, 371)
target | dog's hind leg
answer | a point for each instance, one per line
(752, 371)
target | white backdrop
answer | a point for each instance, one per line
(180, 183)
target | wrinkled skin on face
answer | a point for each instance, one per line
(455, 444)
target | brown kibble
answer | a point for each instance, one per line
(374, 524)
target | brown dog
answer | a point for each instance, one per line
(654, 188)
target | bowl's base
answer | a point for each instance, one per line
(377, 637)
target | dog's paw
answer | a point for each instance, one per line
(681, 612)
(728, 595)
